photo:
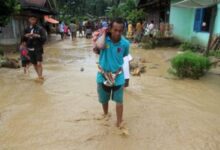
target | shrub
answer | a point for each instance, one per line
(190, 65)
(148, 43)
(215, 53)
(188, 46)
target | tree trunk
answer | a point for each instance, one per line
(118, 2)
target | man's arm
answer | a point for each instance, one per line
(27, 34)
(43, 36)
(100, 43)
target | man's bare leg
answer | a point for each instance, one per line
(27, 69)
(40, 70)
(25, 72)
(105, 108)
(119, 113)
(36, 69)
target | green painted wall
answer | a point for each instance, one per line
(183, 21)
(181, 18)
(217, 21)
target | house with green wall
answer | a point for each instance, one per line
(195, 20)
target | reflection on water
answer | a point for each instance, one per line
(161, 113)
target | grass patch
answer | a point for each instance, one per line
(189, 46)
(189, 65)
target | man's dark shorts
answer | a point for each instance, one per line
(105, 93)
(36, 56)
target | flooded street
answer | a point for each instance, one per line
(161, 113)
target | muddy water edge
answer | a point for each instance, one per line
(161, 113)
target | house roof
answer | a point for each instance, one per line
(144, 3)
(196, 3)
(152, 4)
(39, 6)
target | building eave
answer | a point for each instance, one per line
(195, 3)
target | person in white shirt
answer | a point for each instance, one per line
(126, 69)
(149, 28)
(151, 25)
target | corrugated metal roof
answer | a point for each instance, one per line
(196, 3)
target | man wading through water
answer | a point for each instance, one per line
(112, 47)
(36, 37)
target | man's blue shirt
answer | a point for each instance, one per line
(111, 59)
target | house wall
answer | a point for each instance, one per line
(183, 22)
(217, 22)
(11, 34)
(181, 19)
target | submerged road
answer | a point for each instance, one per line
(62, 113)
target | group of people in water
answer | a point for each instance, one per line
(110, 43)
(133, 31)
(84, 28)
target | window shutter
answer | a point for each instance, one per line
(198, 19)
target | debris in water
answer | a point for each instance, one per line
(9, 63)
(82, 69)
(137, 66)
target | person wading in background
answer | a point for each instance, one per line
(36, 37)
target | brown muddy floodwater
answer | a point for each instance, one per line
(61, 114)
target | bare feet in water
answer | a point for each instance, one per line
(104, 117)
(122, 129)
(40, 79)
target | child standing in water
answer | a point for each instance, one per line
(25, 59)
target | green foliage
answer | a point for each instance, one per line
(114, 12)
(77, 8)
(215, 53)
(148, 43)
(8, 8)
(188, 46)
(136, 15)
(126, 10)
(190, 65)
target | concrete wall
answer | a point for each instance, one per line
(183, 21)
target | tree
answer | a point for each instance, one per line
(7, 9)
(136, 15)
(126, 9)
(80, 8)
